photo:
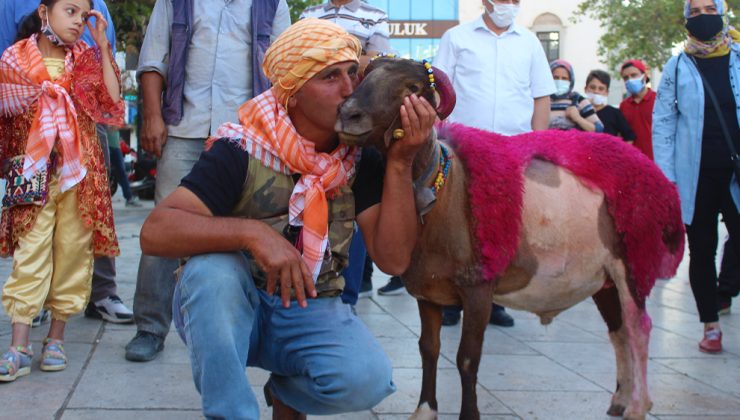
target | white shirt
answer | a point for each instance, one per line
(218, 72)
(496, 77)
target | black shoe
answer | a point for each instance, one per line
(450, 317)
(144, 347)
(501, 318)
(394, 287)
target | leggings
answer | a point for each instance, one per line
(712, 199)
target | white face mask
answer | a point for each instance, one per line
(597, 99)
(503, 14)
(562, 87)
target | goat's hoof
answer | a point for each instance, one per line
(615, 410)
(424, 412)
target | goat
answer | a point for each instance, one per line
(537, 222)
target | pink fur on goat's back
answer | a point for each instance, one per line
(643, 203)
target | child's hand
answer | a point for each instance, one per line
(98, 33)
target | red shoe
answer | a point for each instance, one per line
(712, 342)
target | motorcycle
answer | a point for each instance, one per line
(141, 170)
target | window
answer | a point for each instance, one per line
(550, 43)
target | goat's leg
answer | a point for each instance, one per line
(637, 325)
(429, 345)
(607, 300)
(476, 301)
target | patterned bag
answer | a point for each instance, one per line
(22, 191)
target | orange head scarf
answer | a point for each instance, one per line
(303, 50)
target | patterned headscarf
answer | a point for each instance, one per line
(303, 50)
(720, 44)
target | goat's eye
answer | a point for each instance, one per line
(414, 88)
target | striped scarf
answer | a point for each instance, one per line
(24, 81)
(268, 135)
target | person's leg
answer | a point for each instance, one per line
(215, 308)
(313, 354)
(353, 273)
(104, 300)
(156, 279)
(71, 277)
(729, 277)
(451, 315)
(702, 236)
(119, 169)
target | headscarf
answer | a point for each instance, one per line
(268, 135)
(720, 44)
(567, 66)
(303, 50)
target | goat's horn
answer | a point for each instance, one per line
(447, 97)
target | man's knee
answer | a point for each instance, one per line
(361, 385)
(219, 278)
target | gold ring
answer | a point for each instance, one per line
(398, 134)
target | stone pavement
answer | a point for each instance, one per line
(563, 371)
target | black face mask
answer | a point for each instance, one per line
(704, 27)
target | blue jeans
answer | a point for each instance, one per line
(119, 170)
(155, 281)
(354, 272)
(323, 359)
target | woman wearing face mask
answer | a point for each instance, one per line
(695, 119)
(597, 91)
(569, 109)
(56, 211)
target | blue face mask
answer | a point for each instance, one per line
(635, 86)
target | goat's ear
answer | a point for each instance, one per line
(388, 137)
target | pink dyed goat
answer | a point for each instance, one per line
(537, 222)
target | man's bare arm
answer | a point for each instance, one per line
(153, 128)
(391, 228)
(541, 115)
(182, 225)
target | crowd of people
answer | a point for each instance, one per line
(263, 222)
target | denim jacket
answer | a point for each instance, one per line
(678, 124)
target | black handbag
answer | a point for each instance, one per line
(733, 152)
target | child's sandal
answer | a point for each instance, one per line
(53, 358)
(16, 362)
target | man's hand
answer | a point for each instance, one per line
(282, 262)
(153, 134)
(417, 120)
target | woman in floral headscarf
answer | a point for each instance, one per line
(694, 122)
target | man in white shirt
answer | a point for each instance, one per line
(503, 84)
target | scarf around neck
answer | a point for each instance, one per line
(268, 135)
(24, 80)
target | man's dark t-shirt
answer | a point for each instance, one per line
(218, 178)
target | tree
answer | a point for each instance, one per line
(297, 6)
(644, 29)
(130, 18)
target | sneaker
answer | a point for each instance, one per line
(394, 287)
(53, 358)
(133, 202)
(16, 362)
(450, 317)
(144, 347)
(712, 342)
(110, 309)
(501, 318)
(42, 317)
(724, 306)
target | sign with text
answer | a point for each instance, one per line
(420, 28)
